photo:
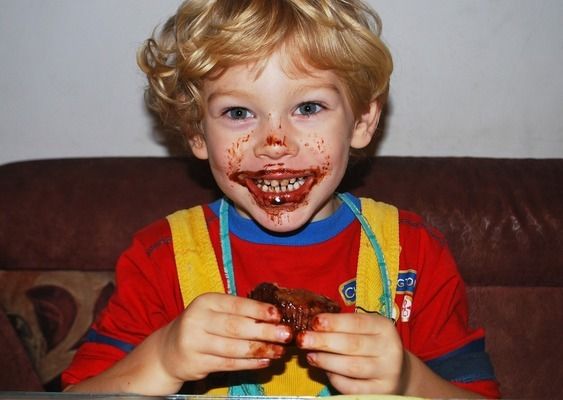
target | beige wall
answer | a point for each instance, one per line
(472, 77)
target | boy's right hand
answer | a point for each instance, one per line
(220, 332)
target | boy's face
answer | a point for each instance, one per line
(278, 145)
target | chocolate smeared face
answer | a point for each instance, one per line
(280, 188)
(297, 306)
(277, 142)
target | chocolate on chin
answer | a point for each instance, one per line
(297, 306)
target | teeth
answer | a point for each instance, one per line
(277, 186)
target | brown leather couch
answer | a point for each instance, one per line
(64, 222)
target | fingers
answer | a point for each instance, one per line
(352, 323)
(238, 318)
(358, 374)
(351, 334)
(242, 306)
(210, 363)
(219, 332)
(355, 367)
(241, 327)
(347, 385)
(340, 343)
(236, 348)
(361, 353)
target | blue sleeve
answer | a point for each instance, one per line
(467, 364)
(94, 337)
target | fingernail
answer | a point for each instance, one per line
(264, 362)
(283, 334)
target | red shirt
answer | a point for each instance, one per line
(430, 303)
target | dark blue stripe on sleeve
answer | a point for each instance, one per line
(476, 346)
(469, 363)
(95, 337)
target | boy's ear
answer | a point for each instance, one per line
(198, 146)
(366, 125)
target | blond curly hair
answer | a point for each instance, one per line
(205, 37)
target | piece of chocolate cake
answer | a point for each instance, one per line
(297, 306)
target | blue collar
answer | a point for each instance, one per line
(312, 233)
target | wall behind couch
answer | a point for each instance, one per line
(472, 78)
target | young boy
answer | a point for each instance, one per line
(274, 95)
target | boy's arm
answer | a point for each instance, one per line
(216, 332)
(363, 354)
(421, 381)
(436, 327)
(139, 372)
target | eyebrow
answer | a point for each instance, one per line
(219, 93)
(305, 88)
(299, 90)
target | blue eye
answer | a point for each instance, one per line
(238, 113)
(308, 109)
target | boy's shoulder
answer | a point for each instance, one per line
(414, 220)
(413, 225)
(155, 230)
(151, 237)
(158, 232)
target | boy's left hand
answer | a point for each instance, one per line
(361, 353)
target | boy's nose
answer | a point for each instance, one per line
(275, 146)
(276, 143)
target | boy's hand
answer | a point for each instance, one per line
(219, 332)
(361, 353)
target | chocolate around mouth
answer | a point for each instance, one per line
(280, 188)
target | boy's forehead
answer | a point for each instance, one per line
(287, 64)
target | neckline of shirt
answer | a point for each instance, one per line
(312, 233)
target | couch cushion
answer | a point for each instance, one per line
(524, 327)
(82, 213)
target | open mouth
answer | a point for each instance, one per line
(280, 188)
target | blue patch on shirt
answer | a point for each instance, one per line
(406, 281)
(348, 291)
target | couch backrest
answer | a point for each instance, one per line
(503, 219)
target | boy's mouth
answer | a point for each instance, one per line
(279, 188)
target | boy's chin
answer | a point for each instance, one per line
(281, 219)
(284, 217)
(282, 226)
